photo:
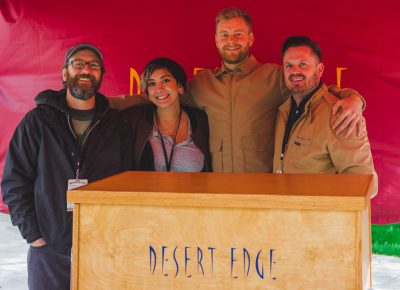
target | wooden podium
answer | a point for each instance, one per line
(151, 230)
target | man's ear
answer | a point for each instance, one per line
(320, 69)
(64, 74)
(251, 39)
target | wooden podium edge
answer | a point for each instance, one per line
(217, 200)
(75, 248)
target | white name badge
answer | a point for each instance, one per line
(72, 184)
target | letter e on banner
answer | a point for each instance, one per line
(339, 75)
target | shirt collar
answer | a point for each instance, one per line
(244, 68)
(306, 98)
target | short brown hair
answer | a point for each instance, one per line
(295, 41)
(233, 12)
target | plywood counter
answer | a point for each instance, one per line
(151, 230)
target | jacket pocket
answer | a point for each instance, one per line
(38, 247)
(301, 143)
(302, 153)
(216, 154)
(258, 151)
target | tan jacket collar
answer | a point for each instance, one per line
(314, 100)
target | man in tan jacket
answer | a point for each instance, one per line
(304, 139)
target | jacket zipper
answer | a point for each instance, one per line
(78, 161)
(282, 158)
(88, 133)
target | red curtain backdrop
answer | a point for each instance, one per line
(362, 36)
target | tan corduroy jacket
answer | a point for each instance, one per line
(313, 147)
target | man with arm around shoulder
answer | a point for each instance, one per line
(304, 139)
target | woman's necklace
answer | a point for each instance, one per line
(168, 130)
(168, 161)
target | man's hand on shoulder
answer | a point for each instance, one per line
(347, 115)
(121, 102)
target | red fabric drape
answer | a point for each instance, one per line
(362, 36)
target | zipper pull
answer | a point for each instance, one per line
(77, 170)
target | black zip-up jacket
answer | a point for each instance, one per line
(141, 121)
(44, 153)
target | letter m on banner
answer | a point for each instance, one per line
(134, 79)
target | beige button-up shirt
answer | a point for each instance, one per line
(241, 106)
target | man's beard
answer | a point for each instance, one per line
(82, 92)
(235, 59)
(309, 86)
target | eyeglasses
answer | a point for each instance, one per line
(80, 64)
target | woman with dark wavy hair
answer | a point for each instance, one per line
(168, 136)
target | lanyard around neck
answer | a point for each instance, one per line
(168, 161)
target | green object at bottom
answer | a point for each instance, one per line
(386, 239)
